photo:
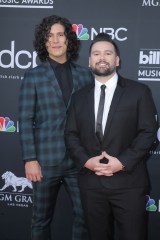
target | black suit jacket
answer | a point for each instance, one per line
(129, 134)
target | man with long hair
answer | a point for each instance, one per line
(44, 99)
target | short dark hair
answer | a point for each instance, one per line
(42, 32)
(104, 37)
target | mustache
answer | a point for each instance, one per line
(102, 62)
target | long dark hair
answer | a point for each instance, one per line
(41, 36)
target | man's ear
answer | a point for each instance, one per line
(117, 61)
(89, 62)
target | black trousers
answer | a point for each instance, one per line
(124, 208)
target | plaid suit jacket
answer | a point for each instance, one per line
(42, 113)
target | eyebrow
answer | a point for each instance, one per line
(56, 33)
(95, 51)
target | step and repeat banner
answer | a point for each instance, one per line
(134, 25)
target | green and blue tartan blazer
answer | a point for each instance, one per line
(42, 113)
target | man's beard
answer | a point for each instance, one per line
(107, 72)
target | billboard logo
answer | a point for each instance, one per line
(82, 33)
(6, 125)
(149, 65)
(150, 206)
(152, 57)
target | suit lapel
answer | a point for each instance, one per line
(90, 105)
(53, 80)
(116, 98)
(75, 81)
(75, 77)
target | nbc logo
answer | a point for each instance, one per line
(6, 125)
(150, 206)
(82, 33)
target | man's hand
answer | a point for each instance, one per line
(94, 163)
(113, 165)
(33, 171)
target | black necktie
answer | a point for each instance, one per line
(99, 131)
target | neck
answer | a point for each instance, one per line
(104, 79)
(58, 60)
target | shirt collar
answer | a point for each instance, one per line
(56, 64)
(109, 84)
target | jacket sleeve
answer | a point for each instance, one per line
(27, 106)
(147, 126)
(72, 138)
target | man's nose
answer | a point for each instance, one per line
(54, 39)
(102, 57)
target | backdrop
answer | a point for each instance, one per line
(134, 25)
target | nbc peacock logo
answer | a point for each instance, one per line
(82, 32)
(151, 206)
(6, 125)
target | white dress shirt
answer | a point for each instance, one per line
(109, 91)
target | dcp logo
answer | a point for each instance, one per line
(22, 59)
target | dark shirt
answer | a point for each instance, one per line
(64, 76)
